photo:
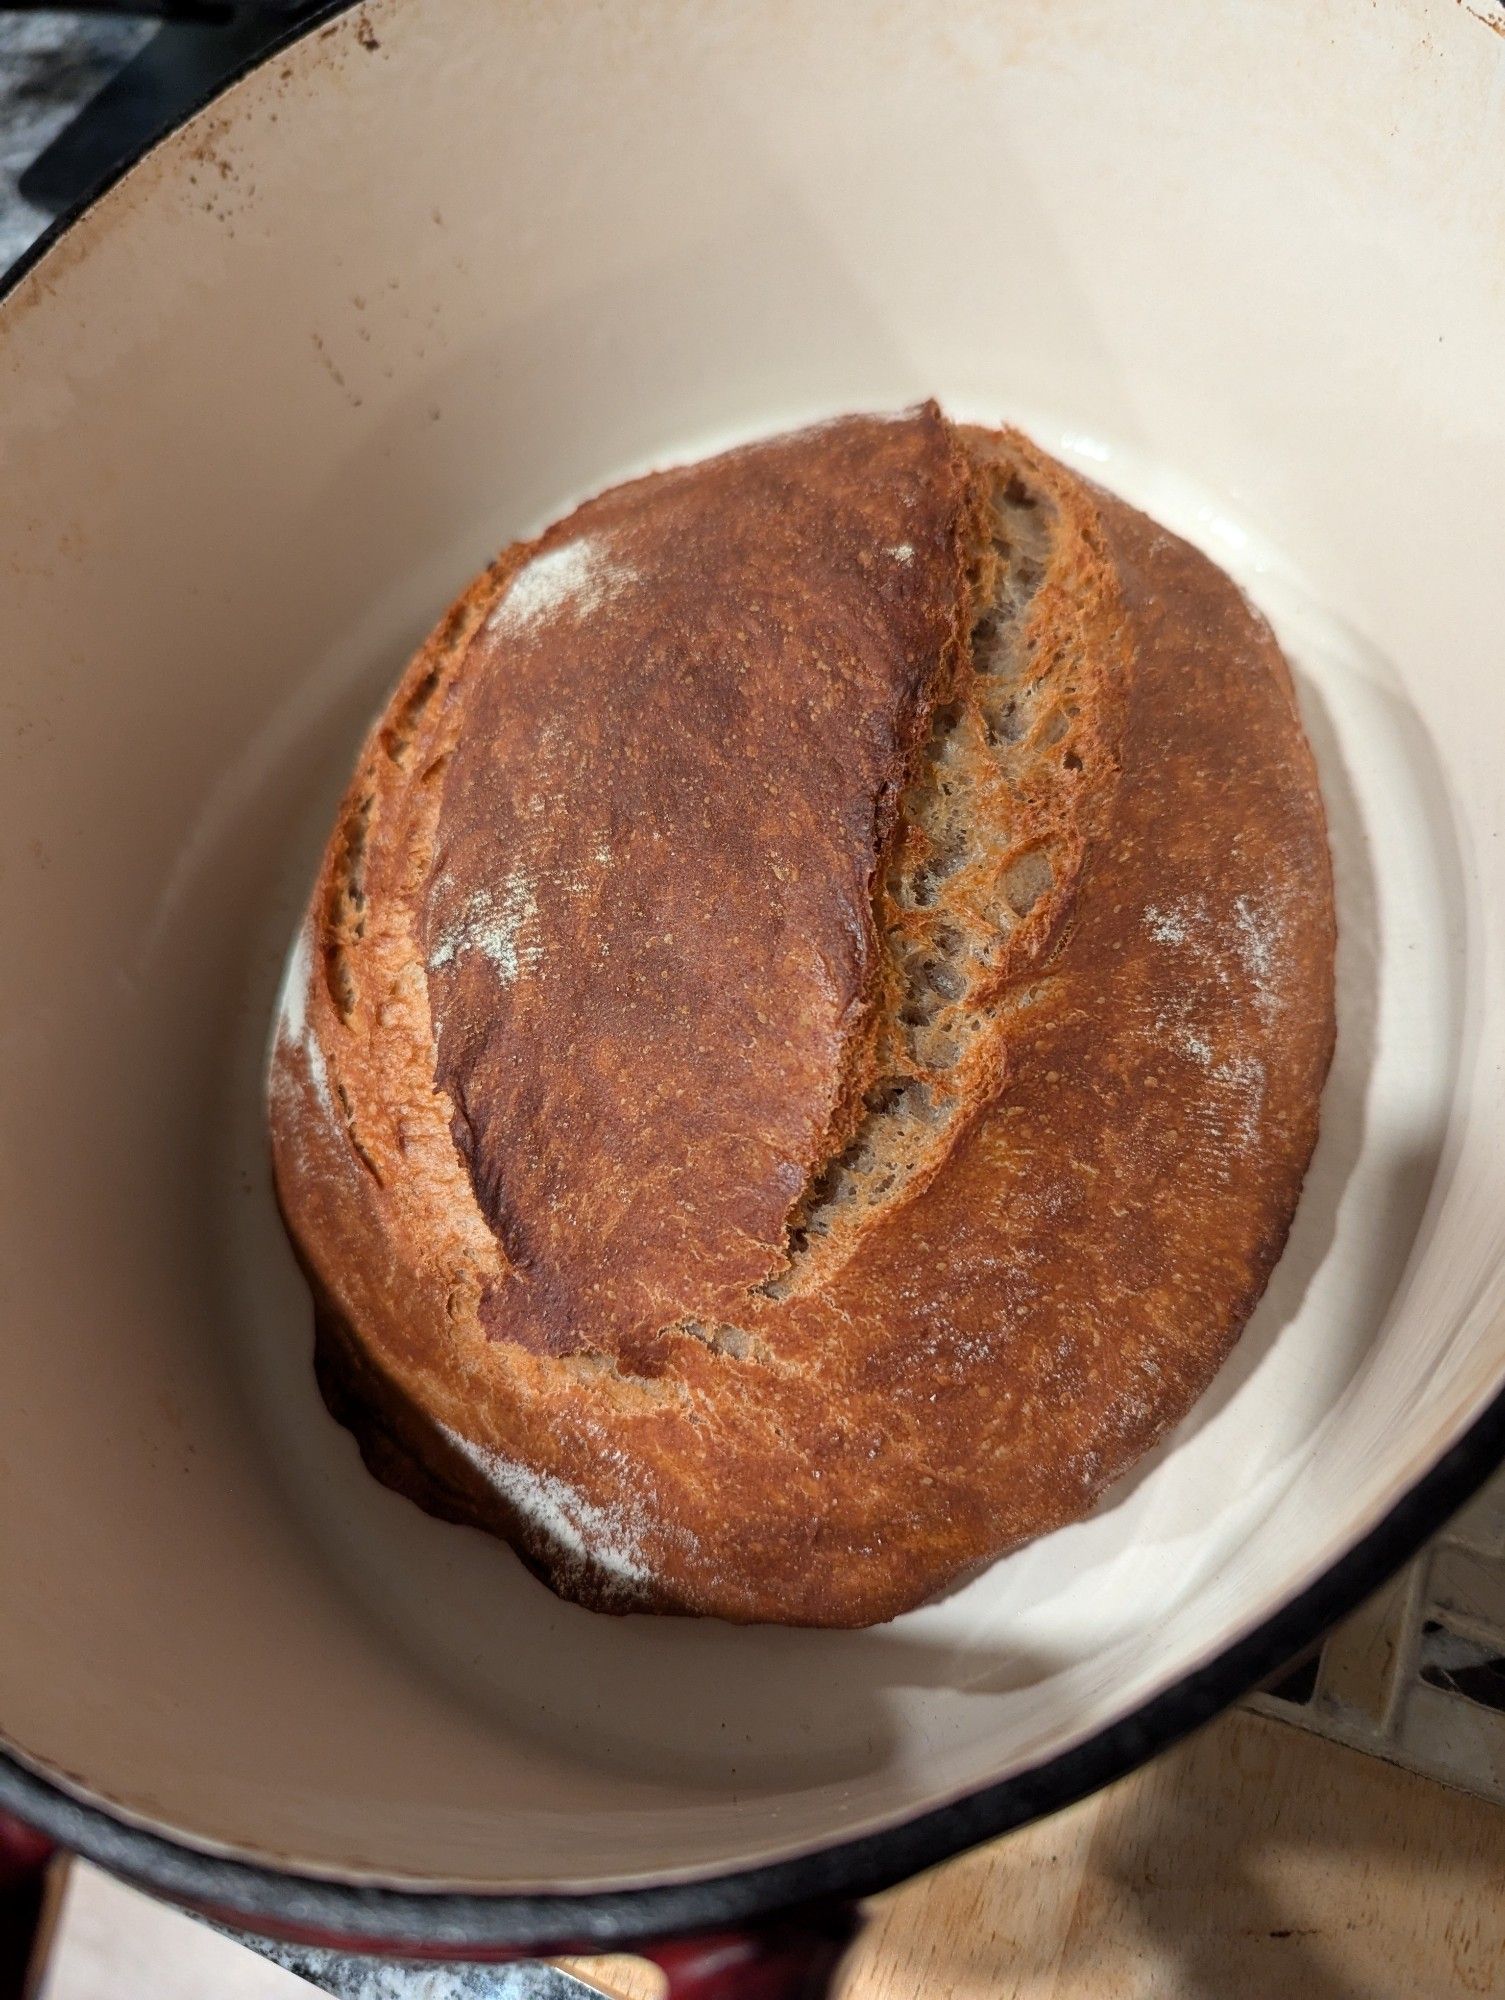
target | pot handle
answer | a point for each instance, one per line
(791, 1957)
(24, 1860)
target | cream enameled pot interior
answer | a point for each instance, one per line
(402, 294)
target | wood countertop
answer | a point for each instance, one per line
(1254, 1863)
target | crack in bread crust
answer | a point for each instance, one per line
(1112, 938)
(987, 847)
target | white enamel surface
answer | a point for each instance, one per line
(270, 405)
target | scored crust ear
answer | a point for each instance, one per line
(983, 858)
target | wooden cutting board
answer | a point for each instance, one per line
(1254, 1863)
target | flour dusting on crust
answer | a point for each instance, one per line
(498, 923)
(579, 1533)
(1171, 926)
(292, 1024)
(1254, 949)
(578, 574)
(1260, 938)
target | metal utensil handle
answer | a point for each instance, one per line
(348, 1976)
(791, 1957)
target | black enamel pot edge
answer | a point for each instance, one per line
(291, 1904)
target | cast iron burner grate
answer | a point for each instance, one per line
(1417, 1676)
(85, 89)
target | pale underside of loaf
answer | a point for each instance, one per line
(808, 1036)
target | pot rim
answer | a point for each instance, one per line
(320, 1908)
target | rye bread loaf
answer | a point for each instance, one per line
(808, 1034)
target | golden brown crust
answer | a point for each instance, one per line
(660, 869)
(838, 1200)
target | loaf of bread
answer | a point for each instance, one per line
(808, 1034)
